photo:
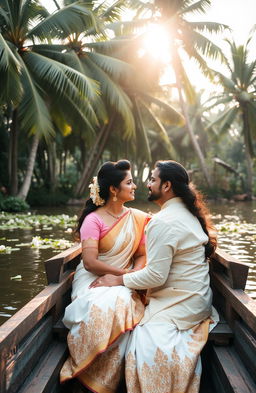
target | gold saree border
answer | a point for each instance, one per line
(140, 220)
(91, 384)
(100, 349)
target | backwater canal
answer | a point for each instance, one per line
(22, 273)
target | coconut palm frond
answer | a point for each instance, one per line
(206, 46)
(33, 113)
(171, 114)
(226, 82)
(223, 100)
(113, 12)
(127, 28)
(249, 73)
(5, 17)
(9, 74)
(141, 132)
(60, 54)
(161, 131)
(62, 77)
(199, 6)
(186, 84)
(209, 27)
(109, 47)
(31, 10)
(114, 67)
(76, 114)
(114, 95)
(224, 121)
(201, 62)
(62, 23)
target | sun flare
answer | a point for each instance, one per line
(156, 43)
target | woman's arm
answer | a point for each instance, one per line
(139, 258)
(95, 266)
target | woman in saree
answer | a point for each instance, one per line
(100, 319)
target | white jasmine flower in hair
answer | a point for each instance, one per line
(95, 192)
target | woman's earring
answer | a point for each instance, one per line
(114, 198)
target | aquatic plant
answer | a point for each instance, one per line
(30, 221)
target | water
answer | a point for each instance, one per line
(22, 273)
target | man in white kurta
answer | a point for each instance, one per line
(176, 271)
(163, 353)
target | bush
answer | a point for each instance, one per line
(13, 204)
(44, 197)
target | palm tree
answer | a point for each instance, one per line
(101, 60)
(186, 37)
(35, 74)
(239, 96)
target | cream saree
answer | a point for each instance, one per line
(99, 319)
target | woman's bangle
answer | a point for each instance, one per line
(126, 271)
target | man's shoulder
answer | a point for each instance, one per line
(168, 220)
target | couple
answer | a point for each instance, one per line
(170, 326)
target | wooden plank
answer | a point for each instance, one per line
(236, 270)
(60, 329)
(221, 334)
(232, 375)
(47, 372)
(18, 326)
(245, 344)
(243, 304)
(54, 266)
(27, 355)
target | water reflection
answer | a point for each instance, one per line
(237, 236)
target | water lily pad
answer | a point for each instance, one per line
(36, 221)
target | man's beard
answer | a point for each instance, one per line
(154, 196)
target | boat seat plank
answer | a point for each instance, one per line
(245, 345)
(47, 372)
(230, 376)
(221, 334)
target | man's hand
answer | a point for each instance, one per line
(109, 280)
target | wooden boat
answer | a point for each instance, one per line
(33, 342)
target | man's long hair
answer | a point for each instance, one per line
(175, 173)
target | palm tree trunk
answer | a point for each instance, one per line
(94, 157)
(51, 150)
(23, 192)
(249, 165)
(249, 161)
(190, 131)
(13, 159)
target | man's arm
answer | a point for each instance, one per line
(159, 257)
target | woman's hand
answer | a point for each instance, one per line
(109, 280)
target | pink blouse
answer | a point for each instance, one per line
(93, 227)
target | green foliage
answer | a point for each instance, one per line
(13, 204)
(43, 197)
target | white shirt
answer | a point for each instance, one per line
(176, 271)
